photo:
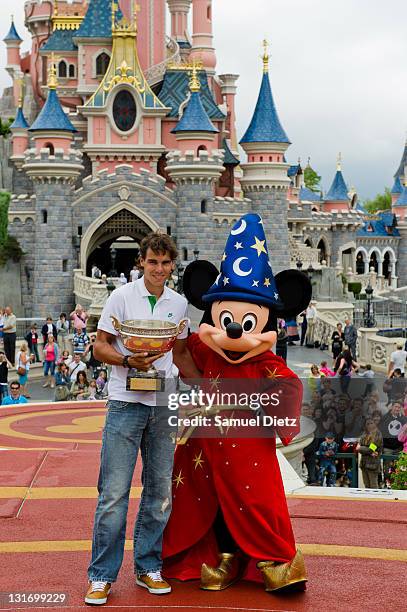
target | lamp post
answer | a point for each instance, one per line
(180, 274)
(299, 264)
(110, 287)
(113, 255)
(196, 254)
(369, 314)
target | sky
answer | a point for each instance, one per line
(338, 75)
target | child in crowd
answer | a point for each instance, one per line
(325, 370)
(93, 390)
(327, 455)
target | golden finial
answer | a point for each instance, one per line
(339, 162)
(114, 9)
(52, 73)
(55, 8)
(194, 83)
(309, 161)
(20, 82)
(266, 57)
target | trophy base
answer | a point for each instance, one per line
(145, 381)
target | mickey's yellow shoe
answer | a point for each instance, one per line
(229, 570)
(289, 576)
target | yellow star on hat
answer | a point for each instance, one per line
(259, 246)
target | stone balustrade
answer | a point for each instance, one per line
(375, 349)
(328, 315)
(378, 282)
(90, 293)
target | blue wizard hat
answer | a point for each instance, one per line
(245, 272)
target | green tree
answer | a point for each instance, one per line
(399, 477)
(9, 246)
(5, 127)
(312, 179)
(381, 202)
(4, 204)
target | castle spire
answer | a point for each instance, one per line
(12, 35)
(195, 118)
(338, 192)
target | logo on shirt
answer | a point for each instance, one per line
(170, 315)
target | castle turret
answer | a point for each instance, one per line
(396, 190)
(179, 10)
(195, 130)
(265, 179)
(13, 43)
(202, 38)
(19, 130)
(53, 168)
(337, 198)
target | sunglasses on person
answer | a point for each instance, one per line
(15, 388)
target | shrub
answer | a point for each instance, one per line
(398, 478)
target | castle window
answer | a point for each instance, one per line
(184, 254)
(209, 13)
(169, 230)
(261, 158)
(203, 206)
(62, 69)
(124, 111)
(44, 216)
(102, 63)
(201, 148)
(270, 159)
(64, 265)
(71, 71)
(50, 147)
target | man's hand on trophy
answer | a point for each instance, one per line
(142, 361)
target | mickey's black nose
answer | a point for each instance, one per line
(234, 330)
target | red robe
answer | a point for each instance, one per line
(241, 475)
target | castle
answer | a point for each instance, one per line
(121, 129)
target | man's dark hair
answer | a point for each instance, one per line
(159, 244)
(15, 383)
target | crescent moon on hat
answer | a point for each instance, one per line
(240, 229)
(237, 270)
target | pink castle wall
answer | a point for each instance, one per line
(20, 144)
(59, 143)
(330, 206)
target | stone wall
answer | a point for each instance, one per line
(10, 287)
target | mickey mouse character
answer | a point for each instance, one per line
(229, 507)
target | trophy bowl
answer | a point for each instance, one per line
(152, 337)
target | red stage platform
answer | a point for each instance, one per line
(355, 549)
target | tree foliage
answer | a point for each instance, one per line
(312, 179)
(9, 246)
(5, 127)
(381, 202)
(399, 477)
(4, 204)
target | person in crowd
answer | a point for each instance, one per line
(292, 332)
(23, 367)
(354, 421)
(79, 317)
(304, 326)
(10, 334)
(80, 341)
(122, 279)
(15, 397)
(103, 280)
(5, 366)
(311, 315)
(351, 337)
(65, 358)
(93, 364)
(93, 390)
(390, 426)
(50, 359)
(62, 331)
(327, 455)
(62, 382)
(397, 360)
(326, 391)
(134, 274)
(394, 386)
(96, 272)
(370, 447)
(1, 325)
(282, 338)
(314, 378)
(330, 423)
(48, 328)
(76, 366)
(325, 370)
(338, 338)
(101, 381)
(310, 450)
(32, 342)
(80, 388)
(368, 374)
(344, 366)
(376, 416)
(402, 437)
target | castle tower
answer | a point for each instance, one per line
(13, 67)
(396, 190)
(53, 167)
(202, 37)
(179, 10)
(337, 198)
(195, 130)
(194, 177)
(265, 179)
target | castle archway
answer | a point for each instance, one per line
(112, 240)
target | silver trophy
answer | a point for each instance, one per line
(152, 337)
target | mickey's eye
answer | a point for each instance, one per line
(249, 323)
(225, 318)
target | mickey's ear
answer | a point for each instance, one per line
(295, 291)
(198, 277)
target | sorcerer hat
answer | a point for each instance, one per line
(245, 272)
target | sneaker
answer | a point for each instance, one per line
(154, 582)
(45, 385)
(97, 592)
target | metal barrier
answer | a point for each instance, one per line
(355, 465)
(24, 326)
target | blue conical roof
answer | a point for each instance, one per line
(338, 191)
(402, 200)
(397, 187)
(20, 121)
(265, 125)
(195, 117)
(309, 195)
(97, 22)
(12, 34)
(52, 116)
(403, 163)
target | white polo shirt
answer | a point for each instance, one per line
(131, 302)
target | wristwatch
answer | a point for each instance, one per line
(125, 362)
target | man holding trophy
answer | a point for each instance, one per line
(141, 323)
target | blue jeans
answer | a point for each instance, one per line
(330, 468)
(130, 427)
(49, 368)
